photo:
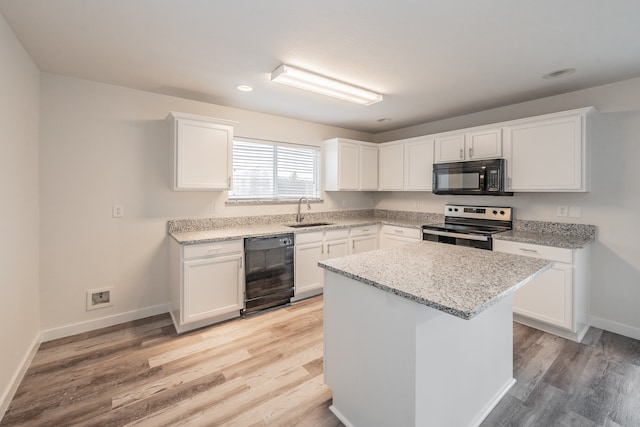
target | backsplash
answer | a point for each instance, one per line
(201, 224)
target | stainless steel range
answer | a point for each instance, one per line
(470, 226)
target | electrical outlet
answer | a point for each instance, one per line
(117, 211)
(99, 298)
(344, 203)
(562, 211)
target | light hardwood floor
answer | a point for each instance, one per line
(267, 371)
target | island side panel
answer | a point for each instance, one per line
(464, 367)
(369, 353)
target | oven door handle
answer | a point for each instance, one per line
(457, 235)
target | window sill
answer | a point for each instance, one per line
(262, 202)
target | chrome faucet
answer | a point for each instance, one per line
(299, 216)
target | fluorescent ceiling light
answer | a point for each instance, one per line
(323, 85)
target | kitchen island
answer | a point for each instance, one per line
(421, 335)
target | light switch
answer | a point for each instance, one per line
(575, 211)
(118, 211)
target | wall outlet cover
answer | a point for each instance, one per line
(99, 298)
(562, 211)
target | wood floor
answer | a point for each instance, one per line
(267, 371)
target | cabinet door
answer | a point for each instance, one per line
(212, 287)
(364, 244)
(202, 155)
(418, 165)
(337, 248)
(545, 155)
(348, 166)
(308, 276)
(368, 168)
(391, 171)
(548, 298)
(449, 148)
(484, 144)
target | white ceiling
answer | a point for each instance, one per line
(431, 59)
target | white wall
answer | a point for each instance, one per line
(19, 310)
(102, 145)
(613, 205)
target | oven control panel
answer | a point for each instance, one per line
(500, 213)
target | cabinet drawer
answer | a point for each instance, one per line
(412, 233)
(536, 251)
(342, 233)
(312, 237)
(212, 249)
(364, 231)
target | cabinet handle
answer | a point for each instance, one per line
(532, 251)
(240, 263)
(399, 231)
(229, 182)
(328, 249)
(462, 153)
(214, 249)
(322, 249)
(470, 152)
(353, 244)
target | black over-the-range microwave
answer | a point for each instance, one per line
(478, 177)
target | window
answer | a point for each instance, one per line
(268, 170)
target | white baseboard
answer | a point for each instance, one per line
(615, 327)
(10, 391)
(78, 328)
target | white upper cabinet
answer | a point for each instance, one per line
(201, 152)
(406, 165)
(483, 144)
(368, 167)
(418, 164)
(391, 166)
(548, 153)
(449, 148)
(472, 145)
(350, 165)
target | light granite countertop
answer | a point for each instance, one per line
(263, 230)
(456, 280)
(207, 230)
(546, 239)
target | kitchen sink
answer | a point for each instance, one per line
(308, 224)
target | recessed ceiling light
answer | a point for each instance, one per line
(244, 88)
(384, 120)
(559, 73)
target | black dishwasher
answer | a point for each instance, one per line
(268, 269)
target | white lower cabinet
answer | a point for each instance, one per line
(310, 248)
(207, 283)
(364, 239)
(392, 236)
(556, 301)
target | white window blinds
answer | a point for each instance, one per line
(271, 170)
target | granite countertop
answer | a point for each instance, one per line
(260, 230)
(546, 239)
(456, 280)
